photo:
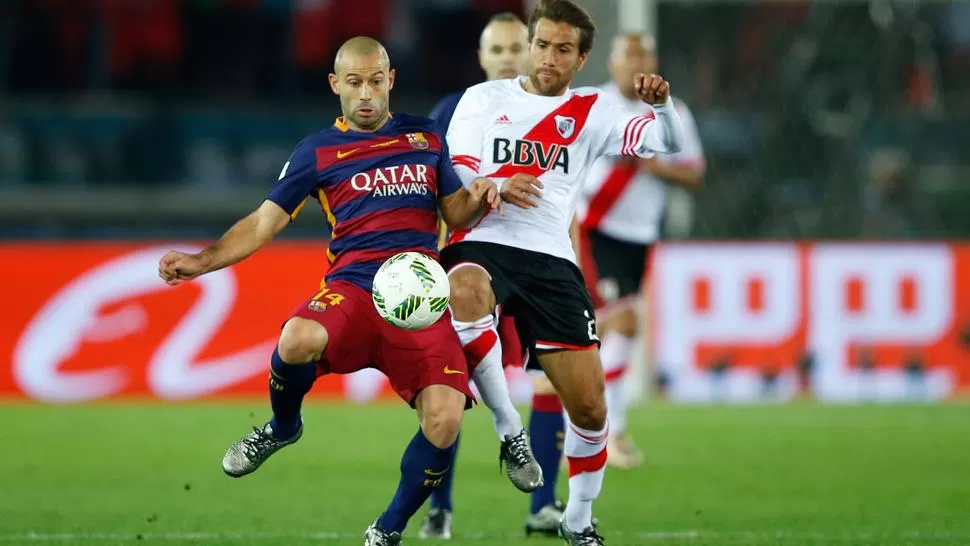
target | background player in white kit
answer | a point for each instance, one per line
(540, 137)
(620, 213)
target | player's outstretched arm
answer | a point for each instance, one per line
(462, 208)
(245, 237)
(643, 135)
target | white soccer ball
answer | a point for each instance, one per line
(411, 291)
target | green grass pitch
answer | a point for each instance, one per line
(126, 473)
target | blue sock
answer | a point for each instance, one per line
(288, 384)
(441, 496)
(547, 430)
(423, 467)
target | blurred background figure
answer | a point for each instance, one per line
(619, 217)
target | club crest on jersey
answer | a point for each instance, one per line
(565, 125)
(418, 141)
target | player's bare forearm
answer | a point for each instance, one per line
(461, 209)
(442, 234)
(684, 175)
(245, 237)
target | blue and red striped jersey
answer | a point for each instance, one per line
(379, 191)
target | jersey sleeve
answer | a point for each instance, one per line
(297, 180)
(466, 134)
(641, 135)
(448, 181)
(692, 151)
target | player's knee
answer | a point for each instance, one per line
(625, 322)
(441, 428)
(441, 418)
(541, 385)
(302, 341)
(588, 412)
(471, 294)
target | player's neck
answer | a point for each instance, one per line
(354, 127)
(529, 88)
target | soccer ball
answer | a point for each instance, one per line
(411, 291)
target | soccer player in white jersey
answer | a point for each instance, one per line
(620, 212)
(538, 138)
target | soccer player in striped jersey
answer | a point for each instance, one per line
(381, 180)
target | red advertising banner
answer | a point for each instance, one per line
(86, 321)
(879, 321)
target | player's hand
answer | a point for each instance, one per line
(175, 267)
(519, 189)
(651, 88)
(485, 189)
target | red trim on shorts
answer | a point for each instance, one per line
(479, 347)
(613, 375)
(566, 346)
(593, 463)
(546, 403)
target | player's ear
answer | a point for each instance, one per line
(333, 83)
(391, 74)
(583, 57)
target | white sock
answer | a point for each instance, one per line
(481, 343)
(615, 354)
(586, 452)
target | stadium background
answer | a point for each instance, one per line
(826, 258)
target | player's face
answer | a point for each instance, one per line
(631, 55)
(364, 83)
(555, 56)
(504, 50)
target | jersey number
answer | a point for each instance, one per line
(591, 327)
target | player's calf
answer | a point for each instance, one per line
(578, 377)
(426, 459)
(292, 373)
(473, 303)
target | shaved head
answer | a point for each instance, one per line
(360, 46)
(363, 78)
(632, 54)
